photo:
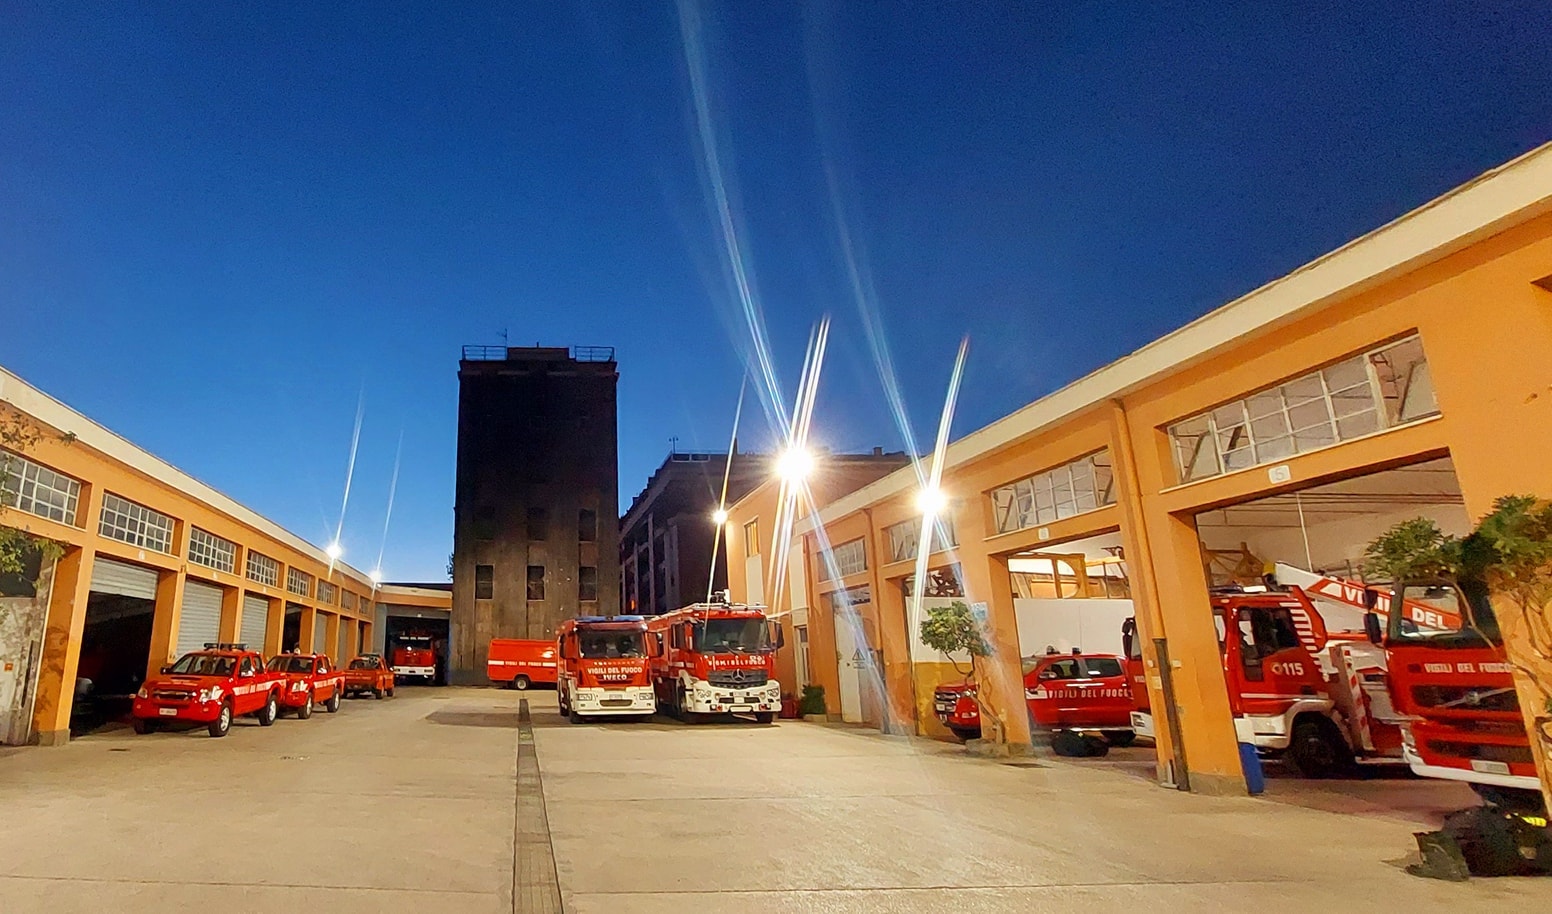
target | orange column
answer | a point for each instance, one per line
(331, 625)
(306, 636)
(989, 589)
(164, 624)
(231, 614)
(71, 587)
(274, 626)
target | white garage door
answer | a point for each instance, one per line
(111, 576)
(200, 621)
(255, 618)
(320, 635)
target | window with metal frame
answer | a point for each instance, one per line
(904, 537)
(263, 569)
(850, 557)
(484, 582)
(536, 583)
(327, 593)
(348, 600)
(752, 538)
(299, 582)
(212, 551)
(133, 523)
(36, 489)
(1074, 488)
(587, 584)
(1380, 389)
(587, 525)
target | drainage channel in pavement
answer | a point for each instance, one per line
(535, 886)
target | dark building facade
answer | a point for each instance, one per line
(666, 537)
(537, 491)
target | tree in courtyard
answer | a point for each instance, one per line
(955, 630)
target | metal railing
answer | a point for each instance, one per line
(504, 353)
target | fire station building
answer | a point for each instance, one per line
(150, 563)
(1406, 374)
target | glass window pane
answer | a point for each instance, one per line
(1352, 400)
(1301, 390)
(1266, 403)
(1309, 415)
(1360, 424)
(1345, 374)
(1316, 436)
(1269, 427)
(1274, 448)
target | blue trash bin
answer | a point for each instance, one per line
(1250, 763)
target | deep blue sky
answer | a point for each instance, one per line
(220, 224)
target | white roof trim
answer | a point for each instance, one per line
(1512, 193)
(48, 410)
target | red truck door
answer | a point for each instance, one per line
(1266, 661)
(1054, 689)
(246, 700)
(1109, 696)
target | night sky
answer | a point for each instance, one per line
(223, 226)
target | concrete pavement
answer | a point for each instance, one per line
(413, 804)
(795, 817)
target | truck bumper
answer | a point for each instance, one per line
(1142, 724)
(636, 700)
(190, 712)
(710, 699)
(411, 672)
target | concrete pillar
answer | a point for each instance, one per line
(231, 614)
(1001, 681)
(331, 625)
(306, 635)
(65, 624)
(823, 658)
(164, 624)
(274, 626)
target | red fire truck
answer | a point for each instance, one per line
(1065, 693)
(519, 663)
(1316, 699)
(413, 658)
(1452, 678)
(717, 658)
(604, 667)
(210, 687)
(311, 680)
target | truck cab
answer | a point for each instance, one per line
(414, 658)
(211, 687)
(717, 658)
(310, 680)
(604, 667)
(368, 674)
(1083, 692)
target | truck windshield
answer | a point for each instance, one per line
(204, 665)
(291, 664)
(602, 645)
(732, 636)
(364, 663)
(1443, 615)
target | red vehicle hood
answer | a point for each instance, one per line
(613, 672)
(705, 663)
(182, 682)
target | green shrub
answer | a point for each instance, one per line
(812, 701)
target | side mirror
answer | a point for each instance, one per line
(781, 636)
(1371, 598)
(166, 668)
(1371, 627)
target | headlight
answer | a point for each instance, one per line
(142, 694)
(205, 696)
(299, 686)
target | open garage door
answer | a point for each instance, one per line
(255, 621)
(320, 635)
(199, 623)
(110, 576)
(115, 641)
(1307, 548)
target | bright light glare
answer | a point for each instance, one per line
(795, 464)
(334, 551)
(720, 516)
(376, 576)
(931, 501)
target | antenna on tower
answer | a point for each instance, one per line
(503, 336)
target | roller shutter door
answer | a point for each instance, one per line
(200, 621)
(255, 619)
(320, 635)
(111, 576)
(344, 641)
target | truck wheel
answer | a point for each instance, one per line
(332, 705)
(1317, 749)
(966, 734)
(222, 725)
(575, 718)
(144, 725)
(520, 683)
(270, 711)
(1072, 744)
(1120, 738)
(377, 694)
(390, 691)
(764, 717)
(306, 710)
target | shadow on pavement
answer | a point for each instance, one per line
(498, 719)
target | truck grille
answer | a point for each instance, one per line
(615, 703)
(171, 695)
(1465, 699)
(737, 679)
(1487, 752)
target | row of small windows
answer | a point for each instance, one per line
(36, 489)
(263, 569)
(1085, 484)
(327, 593)
(485, 583)
(212, 551)
(133, 523)
(905, 538)
(1380, 389)
(538, 524)
(848, 558)
(299, 582)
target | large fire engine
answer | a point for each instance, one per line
(604, 667)
(413, 658)
(1319, 700)
(717, 658)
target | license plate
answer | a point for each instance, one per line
(740, 708)
(1489, 767)
(167, 712)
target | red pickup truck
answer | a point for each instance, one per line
(210, 687)
(1065, 693)
(369, 674)
(310, 680)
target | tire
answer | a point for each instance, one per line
(377, 694)
(1317, 751)
(332, 705)
(1120, 738)
(144, 725)
(966, 734)
(270, 711)
(1094, 747)
(764, 717)
(575, 718)
(306, 710)
(222, 725)
(390, 691)
(1069, 744)
(521, 683)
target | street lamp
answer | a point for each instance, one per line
(794, 464)
(334, 550)
(931, 501)
(719, 516)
